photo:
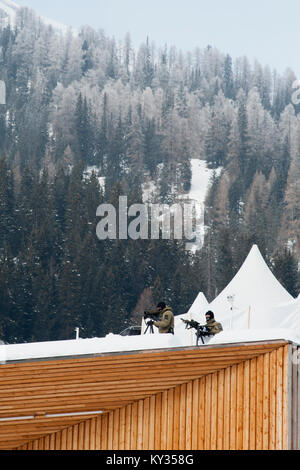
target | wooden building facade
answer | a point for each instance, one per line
(218, 397)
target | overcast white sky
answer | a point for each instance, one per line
(268, 30)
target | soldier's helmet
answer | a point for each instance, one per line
(210, 315)
(161, 305)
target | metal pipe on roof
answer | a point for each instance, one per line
(55, 415)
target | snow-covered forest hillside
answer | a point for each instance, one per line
(146, 117)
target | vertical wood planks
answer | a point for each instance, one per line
(287, 397)
(233, 399)
(239, 406)
(266, 402)
(151, 421)
(170, 419)
(98, 432)
(134, 426)
(157, 424)
(214, 411)
(279, 398)
(104, 426)
(253, 404)
(81, 431)
(220, 410)
(116, 430)
(122, 428)
(298, 400)
(146, 424)
(195, 414)
(207, 411)
(140, 425)
(52, 442)
(227, 394)
(182, 415)
(188, 416)
(294, 398)
(75, 437)
(246, 406)
(69, 439)
(93, 434)
(259, 402)
(164, 421)
(272, 398)
(201, 424)
(176, 420)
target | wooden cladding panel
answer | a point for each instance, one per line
(103, 382)
(295, 398)
(246, 406)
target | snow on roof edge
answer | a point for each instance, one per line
(118, 344)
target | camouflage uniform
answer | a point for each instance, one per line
(166, 324)
(213, 327)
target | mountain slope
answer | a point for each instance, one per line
(8, 11)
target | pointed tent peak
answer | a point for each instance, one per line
(260, 278)
(200, 303)
(253, 292)
(199, 307)
(196, 312)
(255, 264)
(256, 282)
(255, 251)
(255, 256)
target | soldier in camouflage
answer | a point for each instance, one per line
(166, 323)
(212, 326)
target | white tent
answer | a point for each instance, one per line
(199, 307)
(197, 313)
(254, 299)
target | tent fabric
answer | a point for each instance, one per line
(199, 307)
(197, 313)
(254, 299)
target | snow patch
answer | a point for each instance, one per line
(200, 185)
(10, 8)
(94, 169)
(201, 180)
(149, 192)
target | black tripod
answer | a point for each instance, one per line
(199, 334)
(150, 327)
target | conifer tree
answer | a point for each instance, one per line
(285, 267)
(116, 161)
(228, 84)
(84, 131)
(7, 222)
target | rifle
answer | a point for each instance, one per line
(201, 331)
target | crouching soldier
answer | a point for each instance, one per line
(212, 327)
